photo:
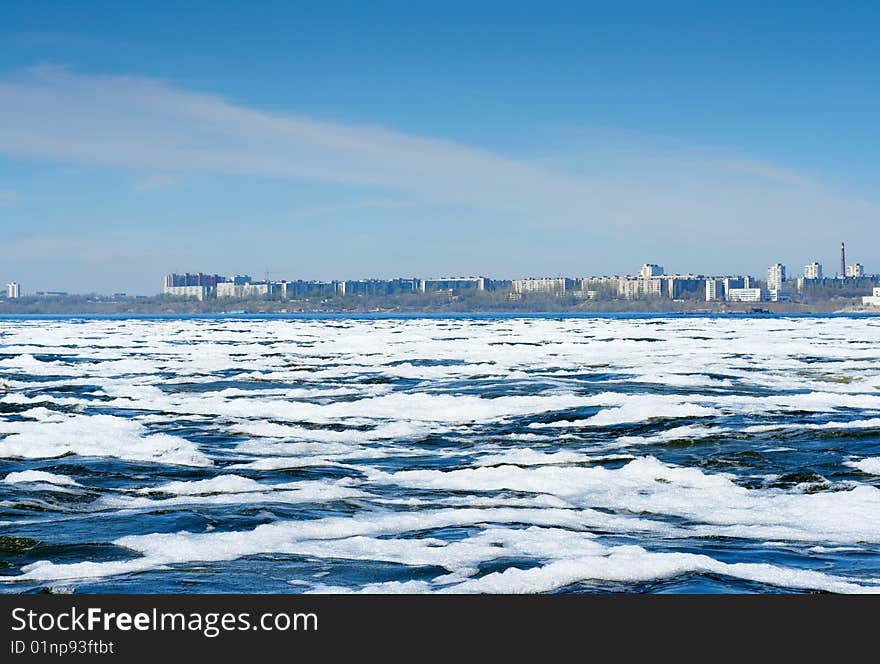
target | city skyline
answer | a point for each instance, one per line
(777, 276)
(652, 280)
(399, 140)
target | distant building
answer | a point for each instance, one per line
(649, 270)
(812, 278)
(13, 290)
(196, 279)
(200, 293)
(682, 285)
(243, 291)
(607, 287)
(555, 285)
(778, 296)
(293, 290)
(507, 284)
(855, 271)
(717, 288)
(872, 300)
(453, 284)
(198, 285)
(813, 270)
(714, 290)
(736, 282)
(653, 281)
(776, 277)
(836, 287)
(371, 287)
(366, 287)
(631, 288)
(747, 295)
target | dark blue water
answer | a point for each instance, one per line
(637, 453)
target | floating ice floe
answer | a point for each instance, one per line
(96, 436)
(39, 476)
(870, 465)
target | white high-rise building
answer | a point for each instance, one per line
(855, 270)
(776, 277)
(649, 270)
(13, 290)
(813, 271)
(714, 290)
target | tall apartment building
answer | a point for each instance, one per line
(377, 286)
(557, 285)
(198, 292)
(242, 291)
(737, 282)
(776, 277)
(294, 290)
(719, 288)
(813, 270)
(682, 285)
(196, 279)
(631, 288)
(454, 284)
(649, 270)
(13, 290)
(714, 290)
(855, 271)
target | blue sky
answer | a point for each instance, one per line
(342, 140)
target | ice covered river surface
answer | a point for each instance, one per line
(440, 454)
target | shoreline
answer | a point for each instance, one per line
(433, 314)
(97, 305)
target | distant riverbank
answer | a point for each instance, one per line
(423, 304)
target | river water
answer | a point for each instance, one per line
(460, 454)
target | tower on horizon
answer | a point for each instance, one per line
(842, 260)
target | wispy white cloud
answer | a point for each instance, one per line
(146, 124)
(153, 181)
(151, 126)
(754, 168)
